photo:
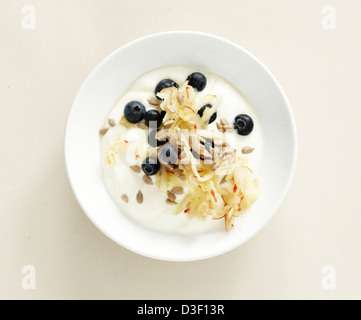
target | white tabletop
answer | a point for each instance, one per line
(309, 250)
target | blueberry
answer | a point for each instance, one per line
(134, 111)
(201, 110)
(209, 141)
(153, 141)
(197, 80)
(168, 154)
(150, 166)
(165, 83)
(196, 155)
(243, 124)
(208, 144)
(153, 118)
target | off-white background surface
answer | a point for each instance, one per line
(41, 223)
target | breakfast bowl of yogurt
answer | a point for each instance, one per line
(180, 146)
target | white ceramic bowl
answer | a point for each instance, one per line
(114, 75)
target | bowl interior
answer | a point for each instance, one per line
(114, 75)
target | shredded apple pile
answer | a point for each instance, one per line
(216, 177)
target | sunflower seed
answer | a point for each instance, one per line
(170, 202)
(112, 122)
(153, 101)
(183, 177)
(177, 190)
(215, 167)
(125, 198)
(228, 128)
(123, 121)
(147, 180)
(140, 197)
(168, 123)
(247, 150)
(103, 131)
(142, 125)
(171, 196)
(136, 169)
(162, 134)
(224, 122)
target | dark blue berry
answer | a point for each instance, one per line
(165, 83)
(153, 118)
(214, 115)
(168, 154)
(209, 144)
(243, 124)
(196, 155)
(134, 111)
(162, 114)
(153, 141)
(197, 80)
(150, 166)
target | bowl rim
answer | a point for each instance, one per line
(292, 127)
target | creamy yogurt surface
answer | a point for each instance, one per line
(120, 180)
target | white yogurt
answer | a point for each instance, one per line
(119, 179)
